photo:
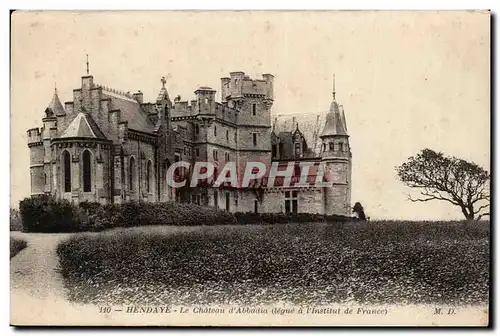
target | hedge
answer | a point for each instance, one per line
(277, 218)
(47, 214)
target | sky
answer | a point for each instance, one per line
(407, 80)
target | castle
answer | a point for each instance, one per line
(109, 146)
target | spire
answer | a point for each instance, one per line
(163, 95)
(87, 64)
(335, 119)
(55, 107)
(333, 92)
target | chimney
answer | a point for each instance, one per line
(139, 96)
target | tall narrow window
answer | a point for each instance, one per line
(273, 151)
(297, 149)
(131, 174)
(227, 135)
(291, 202)
(254, 136)
(227, 201)
(332, 146)
(215, 130)
(149, 178)
(341, 146)
(67, 171)
(87, 172)
(254, 109)
(196, 129)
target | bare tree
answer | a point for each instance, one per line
(447, 178)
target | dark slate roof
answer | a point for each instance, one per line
(55, 107)
(309, 124)
(335, 121)
(131, 111)
(83, 126)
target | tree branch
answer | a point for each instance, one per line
(478, 218)
(481, 208)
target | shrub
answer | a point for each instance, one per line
(46, 214)
(16, 223)
(16, 246)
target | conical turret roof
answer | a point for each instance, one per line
(335, 121)
(55, 107)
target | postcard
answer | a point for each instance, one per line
(250, 168)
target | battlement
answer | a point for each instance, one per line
(34, 136)
(241, 85)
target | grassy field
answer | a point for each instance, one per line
(378, 262)
(16, 245)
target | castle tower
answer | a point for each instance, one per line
(337, 158)
(205, 97)
(53, 113)
(37, 176)
(253, 99)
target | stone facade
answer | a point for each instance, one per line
(108, 146)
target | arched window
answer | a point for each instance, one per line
(149, 178)
(67, 171)
(131, 174)
(87, 172)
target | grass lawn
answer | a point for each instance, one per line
(16, 245)
(378, 262)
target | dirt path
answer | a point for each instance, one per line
(36, 286)
(34, 270)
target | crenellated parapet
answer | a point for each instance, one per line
(34, 137)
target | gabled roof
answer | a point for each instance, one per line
(131, 111)
(83, 126)
(55, 107)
